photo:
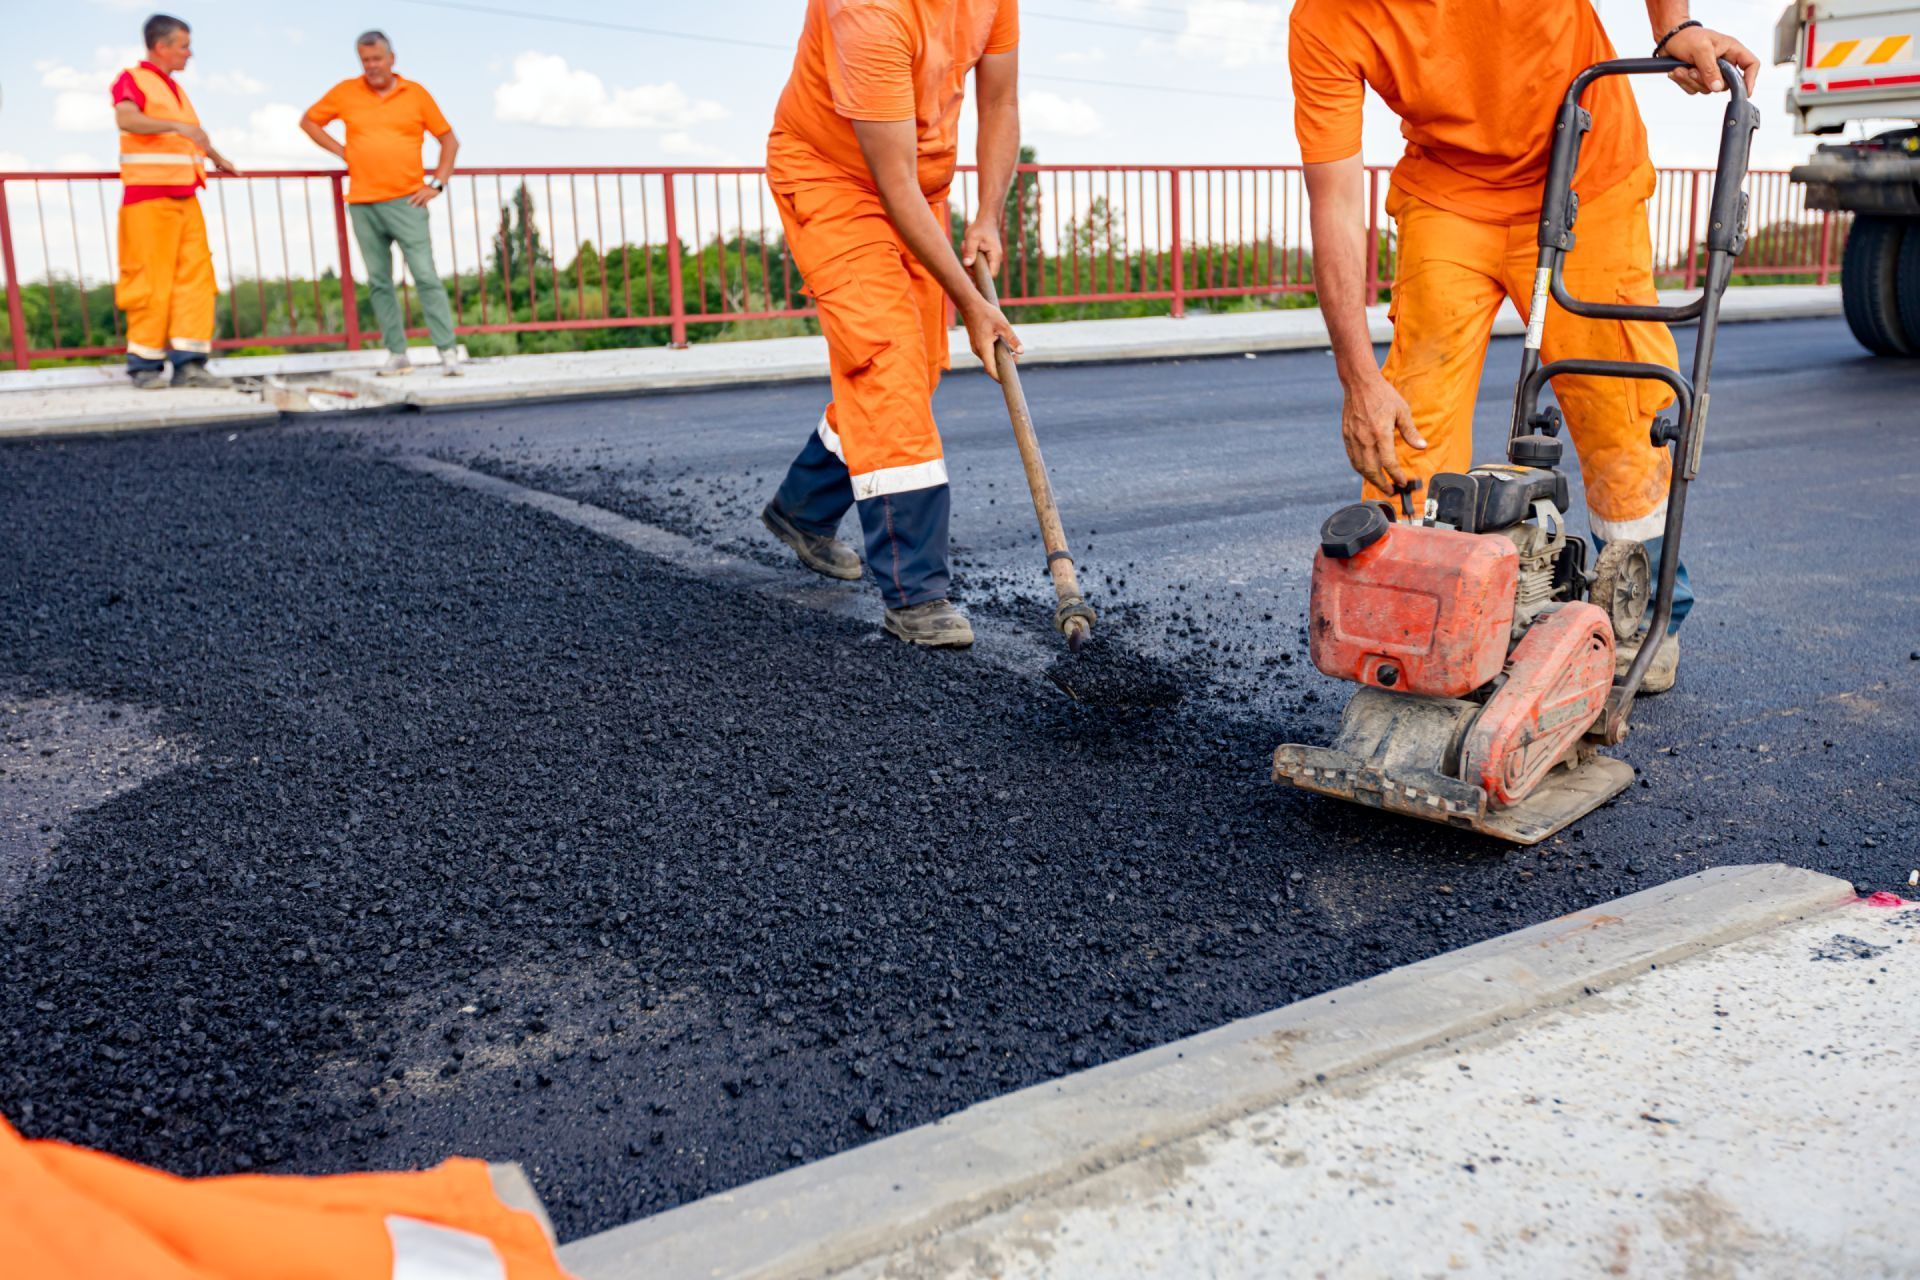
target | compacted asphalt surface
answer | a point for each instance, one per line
(350, 818)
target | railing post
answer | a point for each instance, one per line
(1373, 236)
(1179, 255)
(1826, 248)
(1693, 228)
(676, 285)
(349, 300)
(16, 314)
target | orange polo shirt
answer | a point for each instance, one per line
(384, 136)
(1475, 84)
(882, 60)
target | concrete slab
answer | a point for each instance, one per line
(889, 1196)
(291, 364)
(1717, 1117)
(83, 410)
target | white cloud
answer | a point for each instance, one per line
(80, 101)
(546, 91)
(1234, 33)
(271, 136)
(79, 162)
(238, 83)
(684, 145)
(1050, 113)
(12, 162)
(1081, 57)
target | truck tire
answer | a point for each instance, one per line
(1907, 284)
(1869, 285)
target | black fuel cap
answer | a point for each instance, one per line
(1534, 451)
(1352, 529)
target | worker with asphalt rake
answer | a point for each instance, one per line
(860, 159)
(1477, 86)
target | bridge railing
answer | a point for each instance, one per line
(672, 255)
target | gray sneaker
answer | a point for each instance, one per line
(397, 365)
(1661, 673)
(452, 363)
(933, 625)
(149, 379)
(823, 555)
(194, 374)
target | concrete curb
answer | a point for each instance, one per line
(841, 1211)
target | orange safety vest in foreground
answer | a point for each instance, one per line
(161, 159)
(67, 1213)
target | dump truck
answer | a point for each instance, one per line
(1857, 67)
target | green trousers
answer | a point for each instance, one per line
(378, 227)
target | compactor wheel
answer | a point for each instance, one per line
(1623, 586)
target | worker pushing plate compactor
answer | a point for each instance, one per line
(1482, 639)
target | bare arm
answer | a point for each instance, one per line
(890, 150)
(449, 148)
(996, 83)
(132, 119)
(1702, 47)
(322, 139)
(1373, 411)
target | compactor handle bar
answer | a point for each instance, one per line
(1726, 237)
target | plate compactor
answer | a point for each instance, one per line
(1482, 638)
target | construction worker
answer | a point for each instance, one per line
(166, 284)
(1476, 84)
(387, 118)
(860, 158)
(67, 1213)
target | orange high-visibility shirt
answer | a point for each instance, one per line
(384, 136)
(882, 60)
(1475, 84)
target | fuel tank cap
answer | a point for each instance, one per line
(1352, 529)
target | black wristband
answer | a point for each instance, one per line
(1690, 22)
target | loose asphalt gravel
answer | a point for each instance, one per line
(481, 834)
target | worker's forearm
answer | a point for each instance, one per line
(449, 149)
(137, 121)
(1664, 15)
(322, 139)
(928, 241)
(1340, 279)
(997, 154)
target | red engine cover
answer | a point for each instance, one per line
(1426, 611)
(1556, 688)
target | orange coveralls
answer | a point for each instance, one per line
(166, 283)
(883, 314)
(67, 1213)
(1476, 84)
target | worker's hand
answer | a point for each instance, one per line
(982, 239)
(223, 165)
(1374, 413)
(1702, 46)
(423, 197)
(196, 135)
(986, 323)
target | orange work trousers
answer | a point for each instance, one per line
(1453, 275)
(884, 317)
(166, 280)
(67, 1213)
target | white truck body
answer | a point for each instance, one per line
(1853, 60)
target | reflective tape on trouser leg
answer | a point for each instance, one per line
(906, 536)
(816, 492)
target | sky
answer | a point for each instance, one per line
(1103, 81)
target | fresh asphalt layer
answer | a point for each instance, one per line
(465, 829)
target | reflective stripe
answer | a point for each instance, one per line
(830, 438)
(146, 353)
(429, 1251)
(199, 346)
(1643, 529)
(189, 159)
(887, 480)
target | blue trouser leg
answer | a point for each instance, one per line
(817, 490)
(1682, 588)
(906, 536)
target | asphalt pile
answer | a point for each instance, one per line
(490, 837)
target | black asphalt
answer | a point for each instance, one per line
(490, 836)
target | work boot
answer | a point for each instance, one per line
(933, 625)
(1665, 665)
(452, 363)
(818, 552)
(149, 379)
(396, 365)
(194, 374)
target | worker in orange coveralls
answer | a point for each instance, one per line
(1476, 84)
(67, 1213)
(166, 282)
(860, 158)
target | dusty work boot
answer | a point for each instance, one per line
(149, 379)
(396, 366)
(1662, 671)
(452, 363)
(194, 374)
(822, 554)
(933, 625)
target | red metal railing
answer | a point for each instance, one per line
(689, 254)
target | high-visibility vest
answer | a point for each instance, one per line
(161, 159)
